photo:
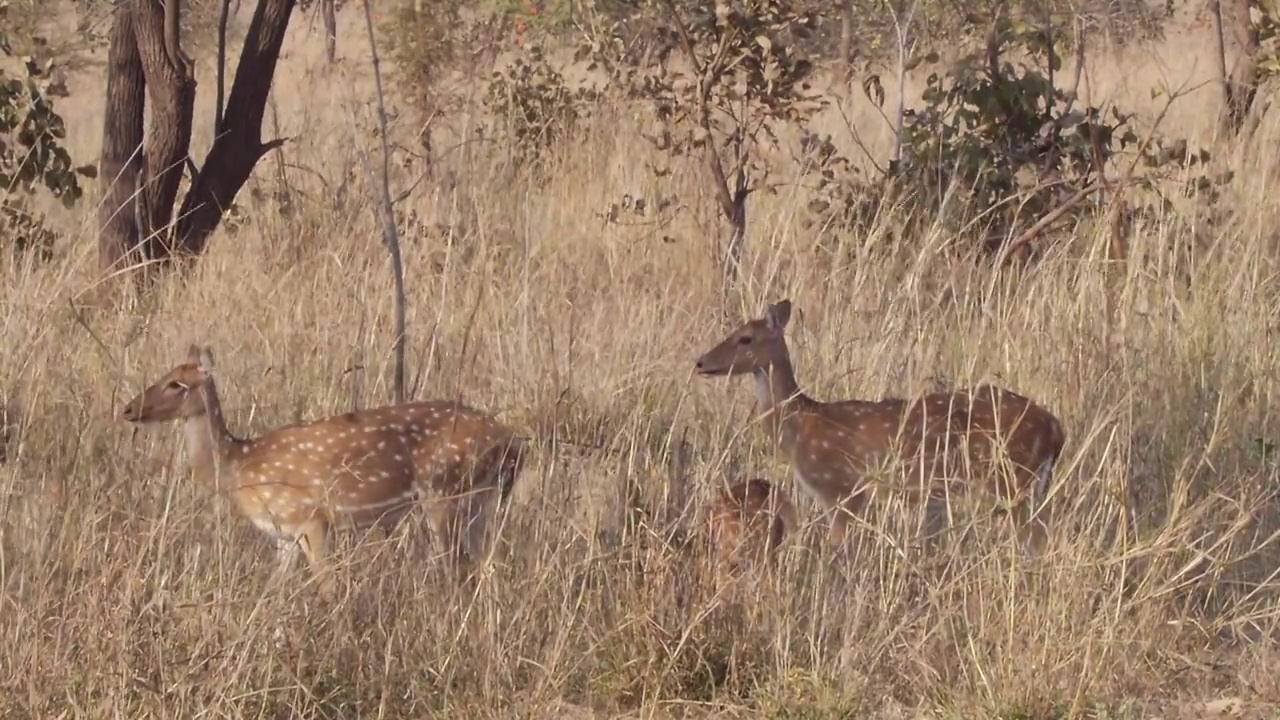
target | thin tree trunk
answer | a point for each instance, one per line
(845, 50)
(122, 132)
(736, 213)
(1240, 86)
(171, 88)
(330, 29)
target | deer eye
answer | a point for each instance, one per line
(744, 340)
(175, 386)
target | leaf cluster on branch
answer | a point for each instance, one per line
(719, 81)
(32, 155)
(535, 106)
(995, 147)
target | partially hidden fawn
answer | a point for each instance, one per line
(351, 471)
(937, 446)
(748, 522)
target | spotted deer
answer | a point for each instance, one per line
(939, 445)
(748, 520)
(350, 471)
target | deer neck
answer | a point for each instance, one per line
(211, 448)
(778, 399)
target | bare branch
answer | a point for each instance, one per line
(270, 145)
(686, 42)
(224, 9)
(389, 234)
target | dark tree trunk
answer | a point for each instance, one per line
(146, 61)
(171, 88)
(330, 29)
(121, 161)
(239, 145)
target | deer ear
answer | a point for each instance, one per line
(193, 353)
(778, 314)
(206, 360)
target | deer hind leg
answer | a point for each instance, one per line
(443, 516)
(477, 543)
(935, 522)
(1033, 512)
(287, 551)
(839, 530)
(313, 541)
(843, 514)
(1033, 523)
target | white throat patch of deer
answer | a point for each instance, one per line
(348, 471)
(981, 438)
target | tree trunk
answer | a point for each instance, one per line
(171, 87)
(330, 29)
(146, 61)
(736, 213)
(845, 50)
(239, 146)
(121, 160)
(1240, 87)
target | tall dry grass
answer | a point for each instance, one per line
(128, 592)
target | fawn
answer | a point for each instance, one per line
(748, 522)
(983, 436)
(348, 471)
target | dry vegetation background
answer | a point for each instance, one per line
(129, 592)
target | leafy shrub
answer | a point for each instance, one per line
(31, 151)
(421, 47)
(534, 105)
(995, 146)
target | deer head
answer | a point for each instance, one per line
(180, 394)
(755, 346)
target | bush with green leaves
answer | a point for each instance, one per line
(1266, 22)
(32, 156)
(534, 106)
(421, 47)
(940, 23)
(996, 146)
(737, 74)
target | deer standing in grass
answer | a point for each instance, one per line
(748, 521)
(349, 471)
(947, 443)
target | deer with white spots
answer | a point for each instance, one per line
(940, 445)
(349, 471)
(748, 521)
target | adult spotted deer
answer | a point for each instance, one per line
(940, 444)
(348, 471)
(748, 521)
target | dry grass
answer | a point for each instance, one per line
(130, 593)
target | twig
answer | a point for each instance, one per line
(224, 8)
(1030, 233)
(389, 234)
(857, 138)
